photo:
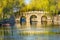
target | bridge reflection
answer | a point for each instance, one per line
(15, 32)
(35, 24)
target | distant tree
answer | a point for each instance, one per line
(58, 12)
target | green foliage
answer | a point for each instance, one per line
(6, 10)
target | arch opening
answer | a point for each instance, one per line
(43, 18)
(44, 21)
(33, 19)
(23, 20)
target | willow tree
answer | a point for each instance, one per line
(7, 8)
(58, 6)
(22, 5)
(1, 8)
(53, 8)
(36, 5)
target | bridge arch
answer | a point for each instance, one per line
(33, 18)
(23, 20)
(44, 18)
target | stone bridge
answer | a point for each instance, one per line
(35, 16)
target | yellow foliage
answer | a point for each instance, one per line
(0, 10)
(38, 4)
(53, 8)
(59, 5)
(4, 3)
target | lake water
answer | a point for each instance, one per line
(13, 32)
